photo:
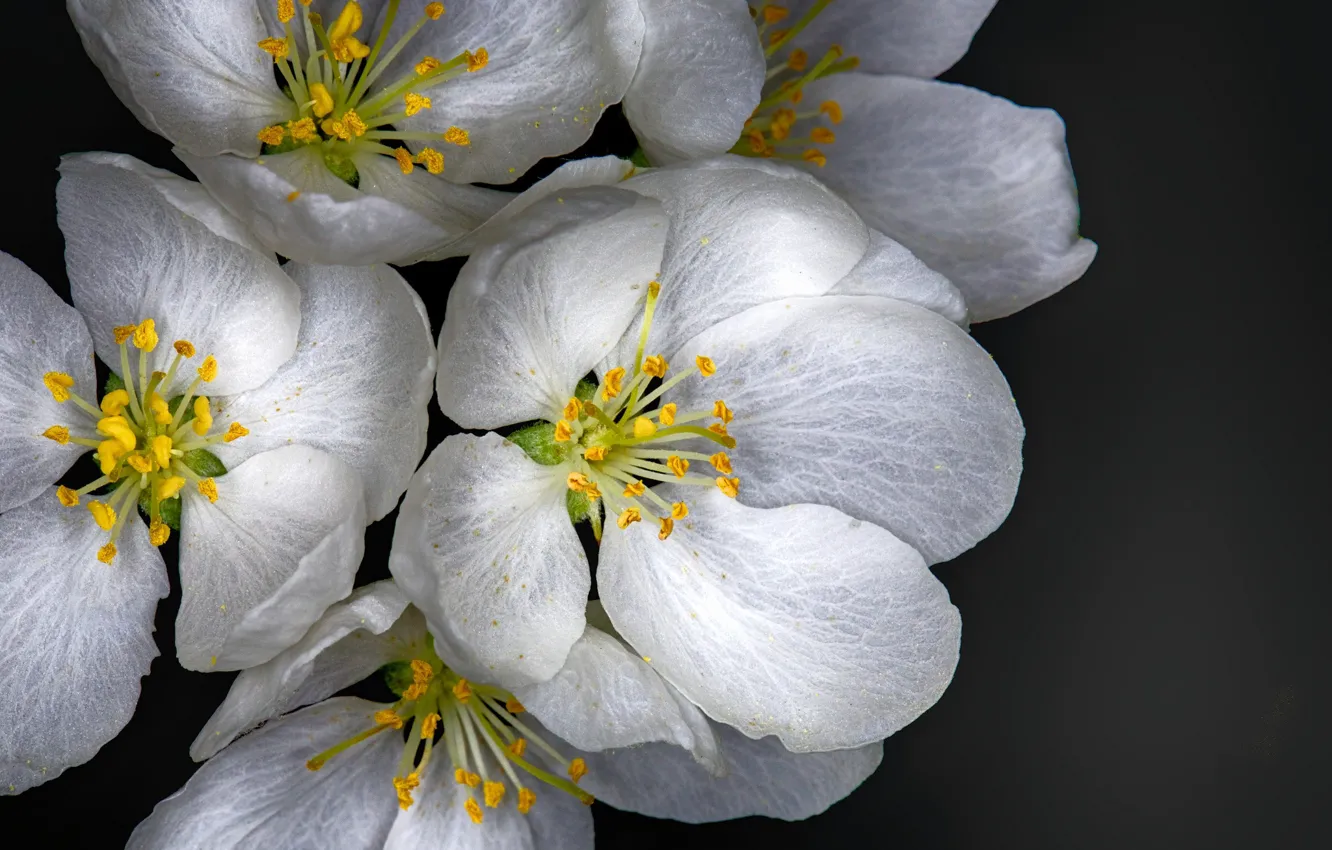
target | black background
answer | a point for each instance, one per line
(1145, 651)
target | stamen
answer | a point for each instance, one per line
(323, 101)
(415, 103)
(457, 136)
(721, 462)
(478, 60)
(656, 366)
(815, 156)
(208, 489)
(667, 413)
(103, 514)
(145, 335)
(667, 526)
(679, 510)
(721, 411)
(58, 383)
(158, 532)
(729, 486)
(275, 47)
(404, 160)
(678, 465)
(525, 800)
(107, 553)
(59, 433)
(596, 452)
(434, 10)
(706, 367)
(473, 811)
(613, 381)
(644, 427)
(832, 109)
(235, 432)
(432, 159)
(563, 431)
(208, 371)
(628, 517)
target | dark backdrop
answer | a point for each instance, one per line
(1144, 659)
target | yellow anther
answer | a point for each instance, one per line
(432, 159)
(203, 416)
(303, 130)
(59, 433)
(208, 371)
(422, 672)
(577, 481)
(103, 514)
(471, 780)
(525, 800)
(457, 136)
(415, 102)
(718, 428)
(109, 453)
(832, 109)
(798, 60)
(415, 692)
(162, 450)
(168, 488)
(592, 493)
(721, 411)
(314, 764)
(474, 811)
(404, 785)
(634, 488)
(667, 526)
(426, 65)
(404, 159)
(513, 706)
(145, 335)
(107, 553)
(729, 486)
(349, 20)
(773, 14)
(494, 792)
(589, 409)
(628, 517)
(354, 123)
(518, 747)
(656, 366)
(350, 48)
(644, 427)
(596, 452)
(286, 10)
(478, 60)
(434, 10)
(678, 465)
(157, 406)
(114, 402)
(572, 409)
(67, 497)
(208, 489)
(577, 769)
(277, 48)
(815, 156)
(118, 429)
(654, 289)
(721, 462)
(823, 136)
(706, 367)
(323, 100)
(272, 135)
(141, 464)
(58, 383)
(614, 381)
(462, 690)
(679, 510)
(184, 348)
(388, 717)
(122, 333)
(460, 776)
(563, 431)
(235, 432)
(334, 127)
(429, 724)
(667, 413)
(757, 144)
(158, 532)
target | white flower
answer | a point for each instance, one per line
(977, 187)
(493, 775)
(284, 412)
(312, 165)
(864, 437)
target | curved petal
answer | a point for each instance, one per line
(799, 622)
(301, 210)
(885, 411)
(437, 820)
(918, 38)
(764, 778)
(531, 314)
(259, 566)
(190, 71)
(132, 254)
(39, 333)
(77, 635)
(889, 270)
(358, 385)
(485, 549)
(606, 697)
(258, 792)
(742, 232)
(979, 188)
(698, 80)
(353, 639)
(554, 67)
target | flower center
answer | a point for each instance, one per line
(478, 728)
(147, 447)
(619, 445)
(329, 86)
(775, 129)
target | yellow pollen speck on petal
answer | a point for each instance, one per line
(721, 462)
(58, 383)
(513, 706)
(145, 335)
(706, 367)
(518, 747)
(286, 10)
(426, 65)
(67, 497)
(628, 517)
(656, 366)
(667, 526)
(667, 413)
(798, 60)
(457, 136)
(107, 553)
(415, 102)
(462, 690)
(272, 135)
(303, 130)
(114, 402)
(388, 717)
(478, 60)
(275, 47)
(184, 348)
(614, 381)
(434, 10)
(141, 464)
(823, 136)
(158, 532)
(59, 433)
(158, 407)
(208, 489)
(563, 431)
(577, 769)
(596, 452)
(235, 432)
(525, 800)
(577, 481)
(162, 450)
(679, 510)
(122, 333)
(572, 409)
(323, 100)
(644, 427)
(103, 514)
(404, 160)
(118, 429)
(678, 465)
(494, 792)
(815, 156)
(429, 724)
(634, 488)
(208, 371)
(168, 488)
(721, 411)
(474, 811)
(832, 109)
(729, 486)
(432, 159)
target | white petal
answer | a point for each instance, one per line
(132, 254)
(742, 232)
(555, 65)
(39, 333)
(300, 209)
(358, 386)
(880, 409)
(530, 315)
(889, 270)
(698, 80)
(77, 636)
(606, 697)
(260, 565)
(258, 792)
(764, 778)
(920, 38)
(485, 549)
(191, 71)
(438, 821)
(352, 640)
(799, 622)
(977, 187)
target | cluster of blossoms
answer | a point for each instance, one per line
(748, 352)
